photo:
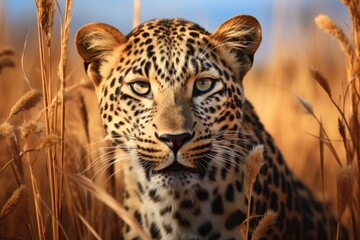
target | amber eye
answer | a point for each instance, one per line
(203, 85)
(140, 88)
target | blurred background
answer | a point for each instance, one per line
(291, 44)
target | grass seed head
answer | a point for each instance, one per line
(26, 102)
(264, 225)
(46, 11)
(323, 82)
(12, 202)
(49, 141)
(252, 166)
(327, 25)
(6, 130)
(344, 184)
(31, 127)
(306, 105)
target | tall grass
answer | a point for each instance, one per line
(348, 108)
(53, 132)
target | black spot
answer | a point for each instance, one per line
(276, 176)
(235, 219)
(167, 227)
(212, 173)
(205, 228)
(154, 196)
(229, 194)
(257, 187)
(137, 216)
(165, 210)
(155, 231)
(186, 204)
(217, 206)
(196, 211)
(274, 201)
(147, 68)
(140, 188)
(194, 34)
(183, 221)
(202, 194)
(215, 236)
(238, 186)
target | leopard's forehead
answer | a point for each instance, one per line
(171, 29)
(167, 51)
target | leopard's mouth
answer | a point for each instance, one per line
(176, 168)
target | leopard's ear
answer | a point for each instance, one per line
(242, 35)
(95, 43)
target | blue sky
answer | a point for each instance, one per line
(208, 13)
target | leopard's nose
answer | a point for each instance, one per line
(175, 141)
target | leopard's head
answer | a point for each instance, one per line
(171, 94)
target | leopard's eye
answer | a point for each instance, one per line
(203, 85)
(140, 88)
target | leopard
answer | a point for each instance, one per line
(171, 99)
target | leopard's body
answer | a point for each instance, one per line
(171, 97)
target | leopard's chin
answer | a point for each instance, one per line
(175, 177)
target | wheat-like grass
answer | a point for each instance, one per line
(12, 202)
(252, 165)
(46, 9)
(326, 24)
(264, 225)
(26, 102)
(108, 200)
(49, 141)
(348, 123)
(6, 130)
(31, 127)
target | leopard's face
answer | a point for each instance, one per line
(171, 95)
(171, 99)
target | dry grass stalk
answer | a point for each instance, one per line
(137, 10)
(99, 193)
(349, 127)
(325, 23)
(12, 202)
(65, 33)
(6, 130)
(88, 226)
(26, 102)
(264, 225)
(252, 165)
(326, 139)
(321, 148)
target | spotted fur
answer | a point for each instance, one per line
(171, 98)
